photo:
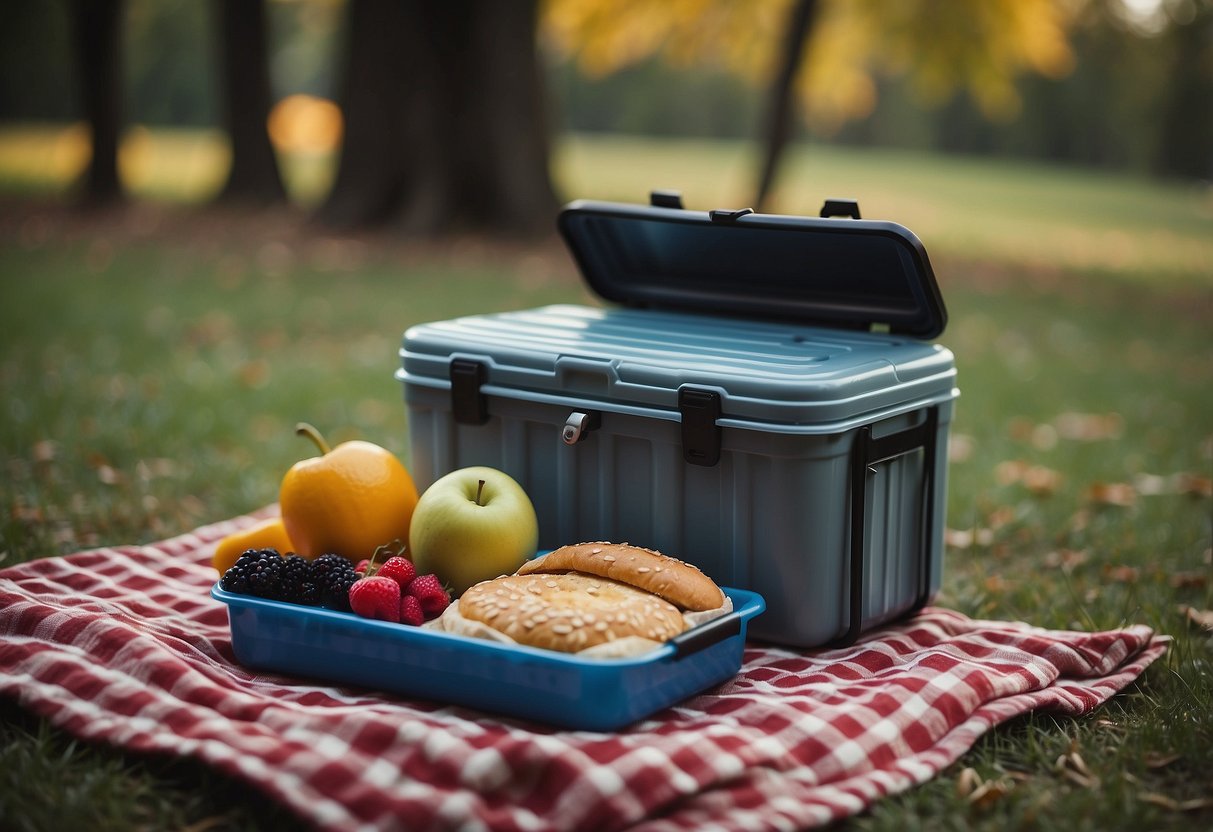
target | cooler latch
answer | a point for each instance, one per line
(728, 214)
(578, 426)
(468, 405)
(665, 199)
(840, 208)
(700, 434)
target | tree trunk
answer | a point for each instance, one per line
(369, 169)
(444, 119)
(1185, 142)
(780, 116)
(245, 76)
(97, 39)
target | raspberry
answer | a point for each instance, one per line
(429, 592)
(376, 597)
(410, 611)
(362, 566)
(399, 569)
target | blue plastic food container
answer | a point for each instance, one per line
(757, 394)
(546, 686)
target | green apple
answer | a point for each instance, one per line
(472, 525)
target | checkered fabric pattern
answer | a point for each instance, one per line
(125, 645)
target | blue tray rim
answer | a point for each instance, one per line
(746, 605)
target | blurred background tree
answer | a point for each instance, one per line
(445, 123)
(244, 75)
(825, 54)
(449, 112)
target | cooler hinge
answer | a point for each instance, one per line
(468, 405)
(700, 434)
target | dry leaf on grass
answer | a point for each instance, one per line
(1072, 767)
(1041, 481)
(1183, 483)
(1156, 759)
(45, 450)
(965, 538)
(1201, 618)
(979, 793)
(960, 448)
(1122, 574)
(1173, 805)
(1194, 485)
(1089, 427)
(1189, 580)
(1067, 559)
(1112, 494)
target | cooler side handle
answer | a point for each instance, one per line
(869, 451)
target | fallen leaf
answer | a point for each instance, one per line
(1173, 805)
(967, 782)
(1112, 494)
(1184, 483)
(1201, 618)
(1067, 559)
(1072, 767)
(1155, 759)
(1190, 580)
(254, 374)
(1089, 427)
(996, 584)
(960, 448)
(1122, 574)
(981, 793)
(23, 513)
(45, 450)
(1000, 517)
(965, 538)
(1193, 485)
(150, 469)
(1080, 520)
(989, 793)
(1044, 437)
(1038, 479)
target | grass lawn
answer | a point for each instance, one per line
(153, 363)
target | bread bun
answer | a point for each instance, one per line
(682, 584)
(567, 612)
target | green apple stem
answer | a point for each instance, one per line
(304, 429)
(479, 491)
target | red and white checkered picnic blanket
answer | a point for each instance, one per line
(125, 645)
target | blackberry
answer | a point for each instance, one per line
(256, 572)
(296, 584)
(323, 565)
(335, 592)
(334, 575)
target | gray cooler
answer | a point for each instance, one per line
(758, 396)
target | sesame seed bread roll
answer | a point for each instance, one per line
(682, 584)
(566, 612)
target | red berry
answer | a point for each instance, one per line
(399, 569)
(428, 590)
(410, 611)
(376, 597)
(363, 565)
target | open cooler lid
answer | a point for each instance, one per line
(843, 273)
